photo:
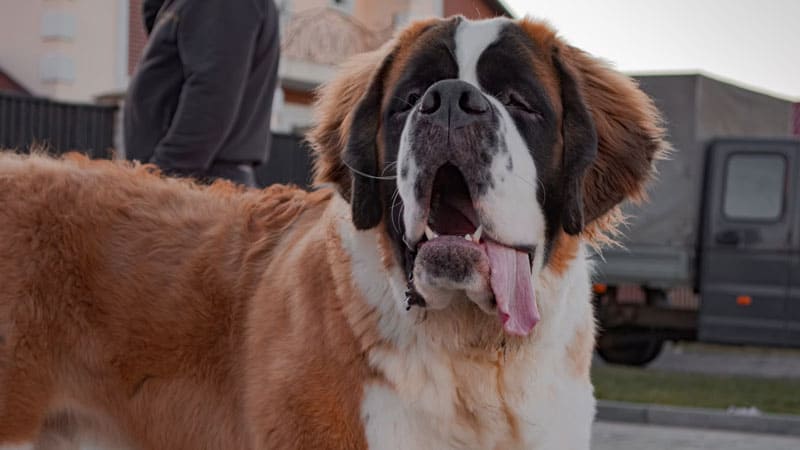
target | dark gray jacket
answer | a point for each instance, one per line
(203, 90)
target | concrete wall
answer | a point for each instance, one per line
(91, 58)
(21, 46)
(301, 5)
(379, 15)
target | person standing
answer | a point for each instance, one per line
(200, 101)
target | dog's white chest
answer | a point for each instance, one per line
(431, 407)
(390, 422)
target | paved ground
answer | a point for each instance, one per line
(621, 436)
(729, 360)
(726, 360)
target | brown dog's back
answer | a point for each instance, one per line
(123, 292)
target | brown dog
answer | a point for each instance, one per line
(437, 296)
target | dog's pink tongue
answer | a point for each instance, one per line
(512, 287)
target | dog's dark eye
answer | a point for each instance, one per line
(411, 100)
(516, 101)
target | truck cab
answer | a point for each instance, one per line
(749, 274)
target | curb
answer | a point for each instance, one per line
(674, 416)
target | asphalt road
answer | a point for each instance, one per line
(729, 360)
(761, 362)
(622, 436)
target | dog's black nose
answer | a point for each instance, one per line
(454, 104)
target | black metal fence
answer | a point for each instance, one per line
(56, 126)
(289, 162)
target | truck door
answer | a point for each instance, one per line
(746, 255)
(793, 303)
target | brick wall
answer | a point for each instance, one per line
(137, 38)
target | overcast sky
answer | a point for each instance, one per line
(754, 43)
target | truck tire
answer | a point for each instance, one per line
(629, 346)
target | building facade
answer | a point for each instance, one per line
(73, 50)
(87, 50)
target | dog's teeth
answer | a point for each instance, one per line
(477, 235)
(430, 234)
(468, 237)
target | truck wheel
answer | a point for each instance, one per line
(629, 347)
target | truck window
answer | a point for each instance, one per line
(754, 187)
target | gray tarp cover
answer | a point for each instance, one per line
(697, 109)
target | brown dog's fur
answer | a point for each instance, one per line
(133, 299)
(188, 317)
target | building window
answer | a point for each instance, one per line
(754, 187)
(58, 25)
(57, 68)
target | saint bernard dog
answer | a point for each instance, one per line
(432, 292)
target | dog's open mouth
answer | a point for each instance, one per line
(457, 248)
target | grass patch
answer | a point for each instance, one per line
(702, 391)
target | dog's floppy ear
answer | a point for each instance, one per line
(627, 126)
(580, 145)
(345, 139)
(361, 153)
